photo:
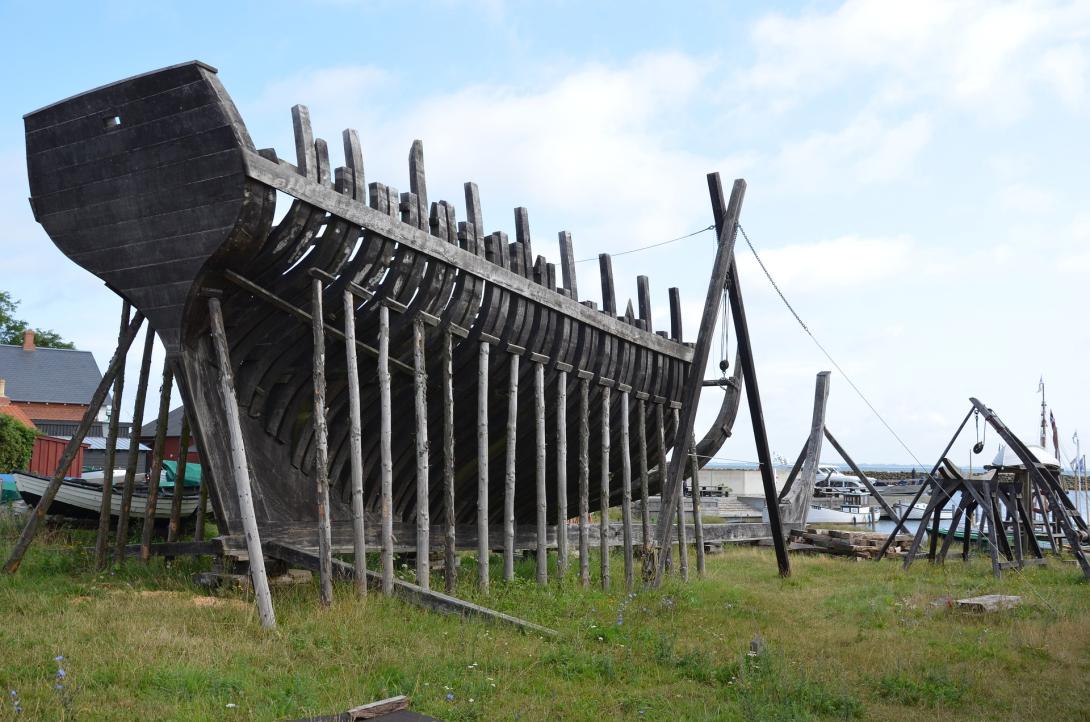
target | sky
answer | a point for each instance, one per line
(916, 172)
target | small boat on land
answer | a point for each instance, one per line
(82, 499)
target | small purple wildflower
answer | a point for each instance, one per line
(450, 696)
(59, 658)
(61, 674)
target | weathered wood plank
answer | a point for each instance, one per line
(567, 265)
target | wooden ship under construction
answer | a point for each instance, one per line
(154, 185)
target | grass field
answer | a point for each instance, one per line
(839, 640)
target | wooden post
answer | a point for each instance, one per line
(202, 504)
(482, 467)
(645, 512)
(102, 540)
(355, 450)
(70, 449)
(156, 461)
(509, 471)
(121, 537)
(240, 468)
(450, 561)
(385, 451)
(626, 494)
(665, 551)
(861, 476)
(562, 475)
(680, 448)
(542, 511)
(726, 224)
(603, 524)
(423, 495)
(584, 482)
(698, 522)
(174, 530)
(321, 447)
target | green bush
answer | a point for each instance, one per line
(16, 444)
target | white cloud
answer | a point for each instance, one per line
(1027, 198)
(839, 263)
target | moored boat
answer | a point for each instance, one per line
(82, 499)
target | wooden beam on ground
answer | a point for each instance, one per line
(121, 536)
(412, 593)
(239, 467)
(157, 459)
(35, 519)
(211, 547)
(102, 540)
(355, 441)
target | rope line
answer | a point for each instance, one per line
(653, 245)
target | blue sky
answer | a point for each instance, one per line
(917, 171)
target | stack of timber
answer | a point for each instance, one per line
(154, 185)
(858, 544)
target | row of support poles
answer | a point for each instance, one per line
(102, 540)
(121, 537)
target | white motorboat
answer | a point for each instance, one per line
(918, 509)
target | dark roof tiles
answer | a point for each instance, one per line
(49, 375)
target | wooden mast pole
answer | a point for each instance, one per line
(355, 440)
(70, 449)
(102, 540)
(240, 468)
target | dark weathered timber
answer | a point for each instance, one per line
(542, 503)
(355, 440)
(562, 473)
(724, 261)
(174, 530)
(609, 294)
(676, 331)
(603, 550)
(42, 507)
(482, 467)
(121, 538)
(157, 460)
(510, 470)
(860, 475)
(240, 467)
(567, 266)
(796, 505)
(321, 446)
(584, 482)
(450, 560)
(698, 522)
(626, 493)
(102, 540)
(423, 496)
(386, 452)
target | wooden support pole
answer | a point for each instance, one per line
(603, 496)
(858, 472)
(796, 505)
(482, 467)
(355, 450)
(72, 447)
(423, 494)
(542, 510)
(665, 551)
(450, 557)
(681, 448)
(626, 495)
(584, 482)
(174, 530)
(698, 521)
(202, 508)
(562, 475)
(102, 541)
(385, 451)
(240, 468)
(321, 446)
(509, 470)
(645, 511)
(121, 536)
(726, 226)
(156, 461)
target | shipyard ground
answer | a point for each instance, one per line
(840, 639)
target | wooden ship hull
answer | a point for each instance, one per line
(154, 185)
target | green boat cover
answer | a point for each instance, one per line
(9, 491)
(170, 473)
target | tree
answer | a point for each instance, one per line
(12, 328)
(16, 444)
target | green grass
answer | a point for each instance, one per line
(839, 640)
